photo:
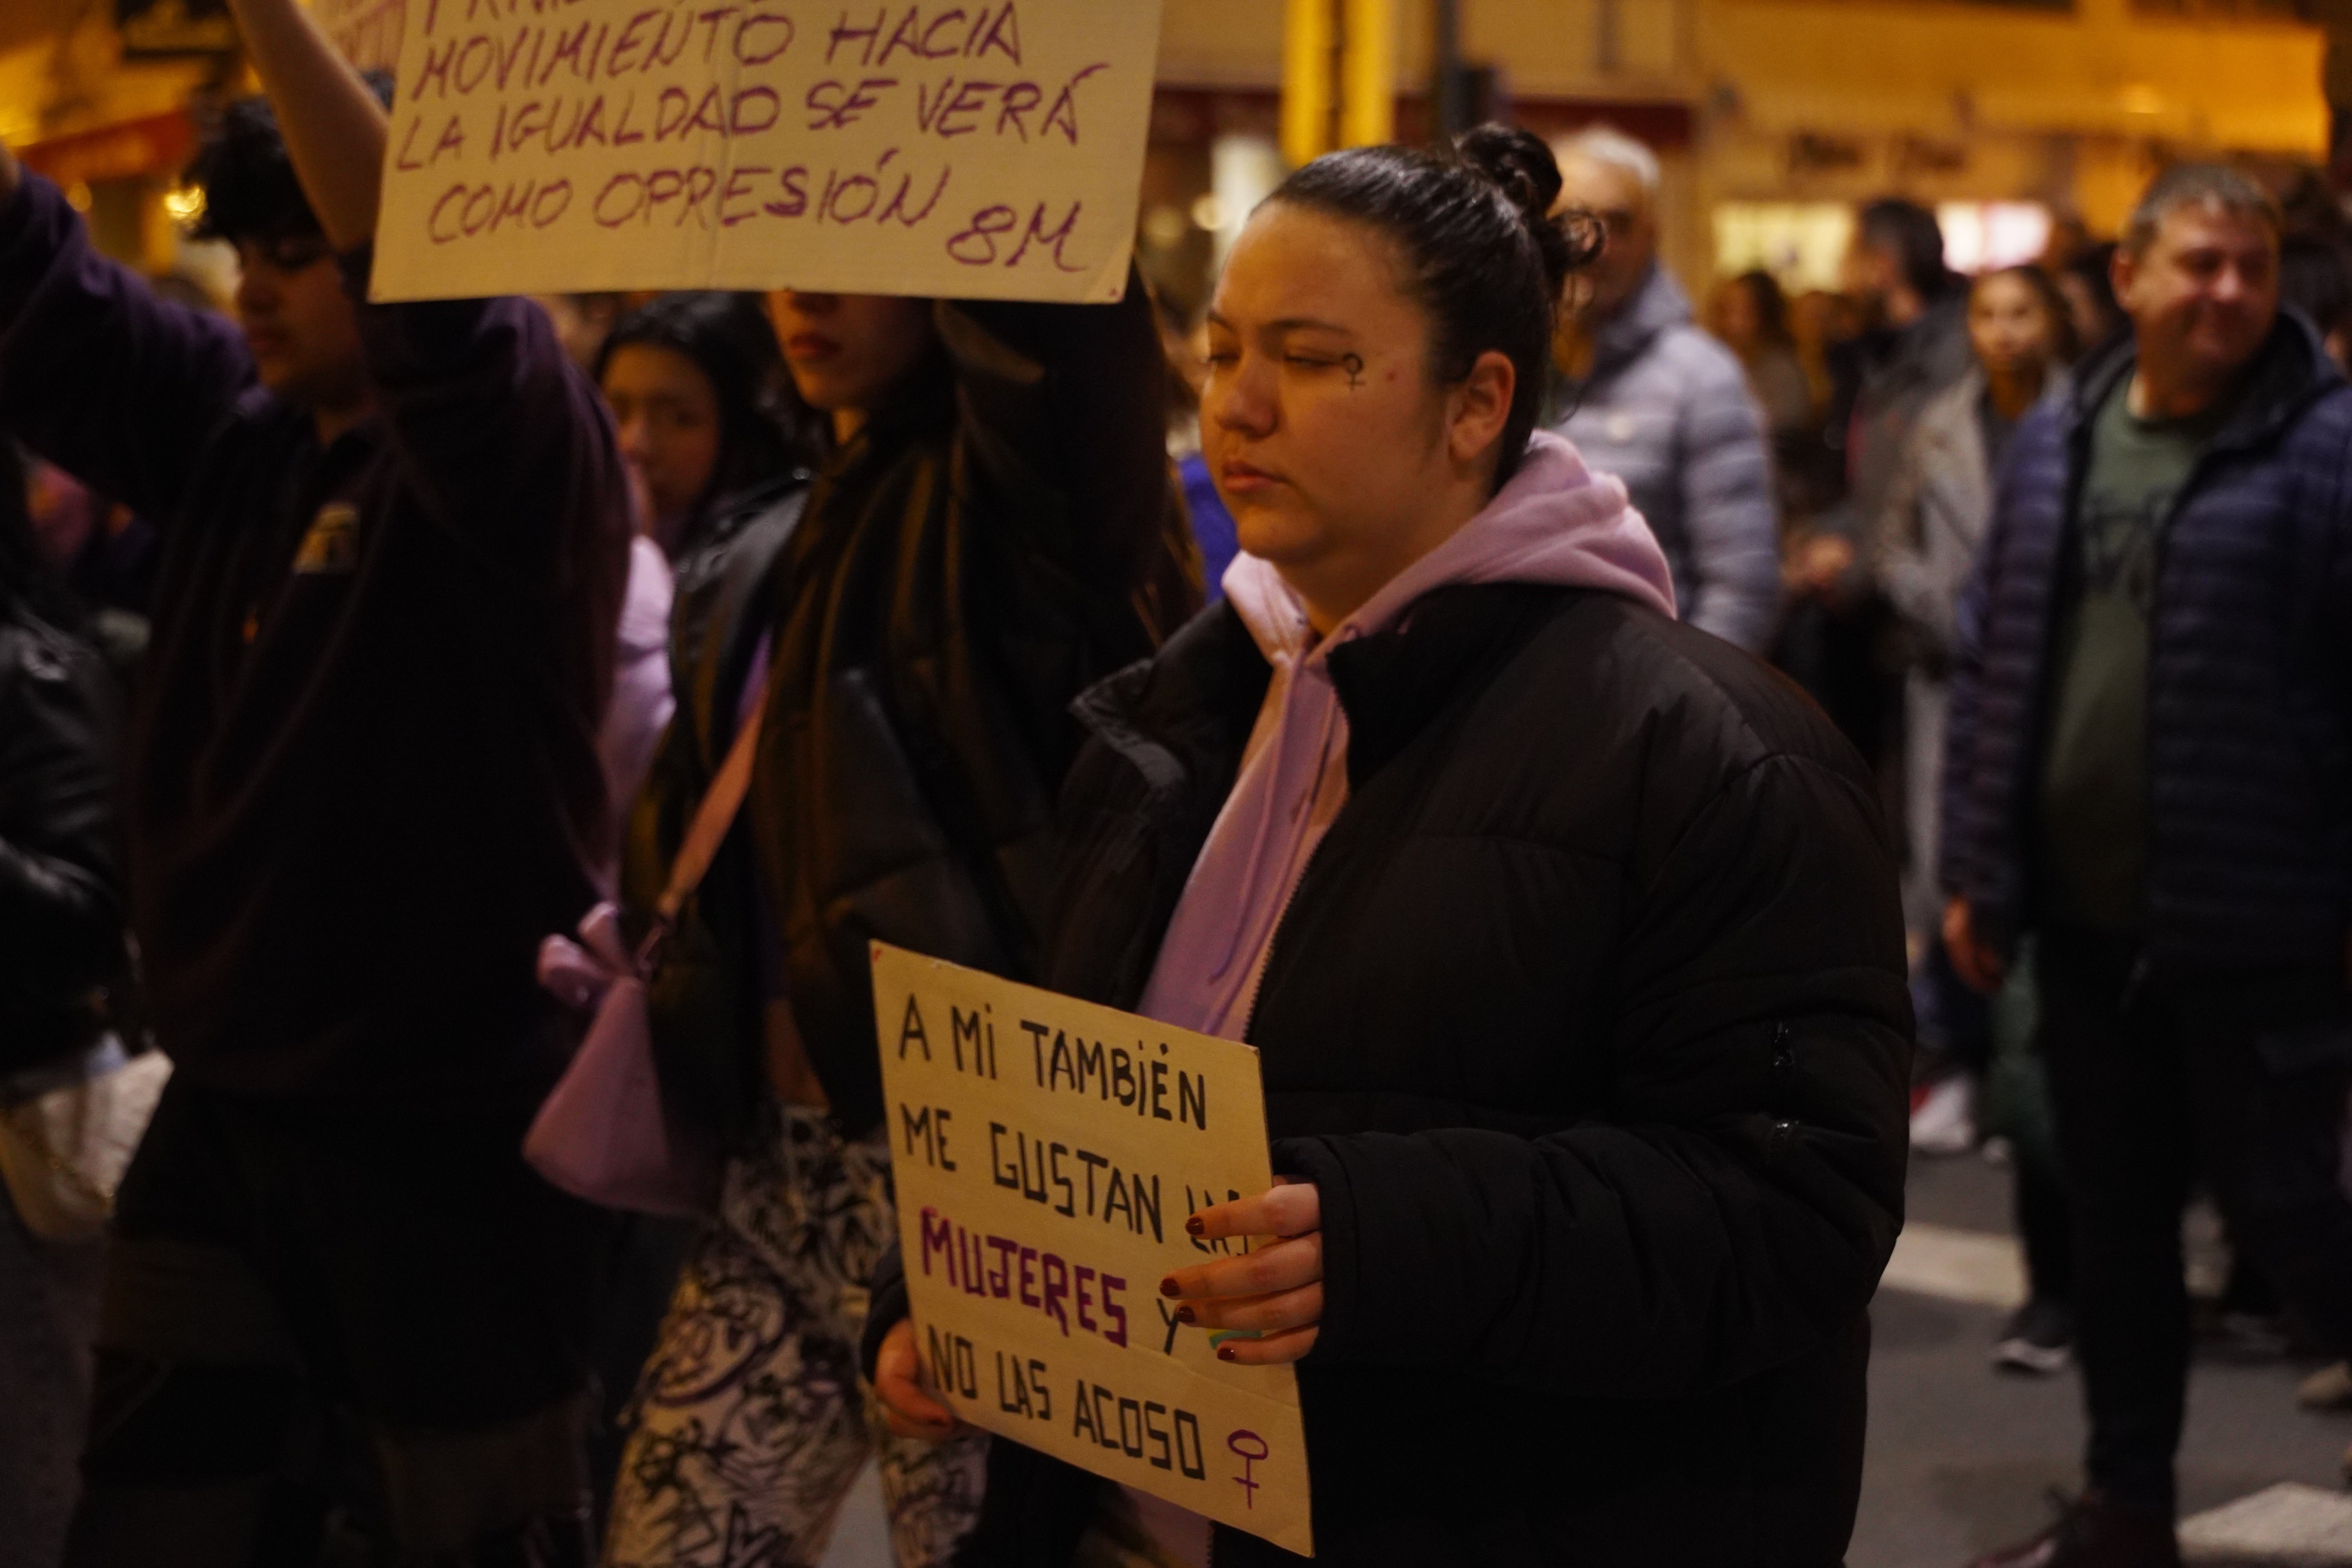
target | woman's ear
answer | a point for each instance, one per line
(1480, 406)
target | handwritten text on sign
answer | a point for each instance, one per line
(1046, 1151)
(987, 150)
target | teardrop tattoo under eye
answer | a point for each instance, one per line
(1353, 363)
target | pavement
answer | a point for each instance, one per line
(1962, 1458)
(862, 1539)
(49, 1301)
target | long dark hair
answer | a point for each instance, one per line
(2093, 269)
(1771, 307)
(2065, 347)
(764, 429)
(1910, 234)
(1483, 255)
(2315, 278)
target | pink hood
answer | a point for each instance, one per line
(1556, 522)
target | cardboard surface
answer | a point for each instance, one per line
(1046, 1151)
(980, 151)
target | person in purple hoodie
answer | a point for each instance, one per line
(1567, 935)
(363, 784)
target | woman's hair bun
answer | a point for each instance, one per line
(1515, 160)
(1522, 167)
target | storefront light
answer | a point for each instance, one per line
(1984, 237)
(185, 205)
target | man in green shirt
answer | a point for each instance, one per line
(2094, 785)
(2150, 771)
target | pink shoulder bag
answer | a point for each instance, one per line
(604, 1133)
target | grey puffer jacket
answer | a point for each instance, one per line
(1667, 409)
(1937, 510)
(1939, 505)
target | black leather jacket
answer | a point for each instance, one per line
(62, 956)
(705, 988)
(981, 552)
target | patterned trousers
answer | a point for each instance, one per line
(751, 1422)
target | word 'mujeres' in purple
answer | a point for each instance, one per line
(1006, 1270)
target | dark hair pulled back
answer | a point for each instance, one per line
(247, 177)
(1914, 238)
(1479, 249)
(763, 427)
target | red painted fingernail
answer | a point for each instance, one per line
(1193, 1227)
(1225, 1353)
(1185, 1315)
(1168, 1287)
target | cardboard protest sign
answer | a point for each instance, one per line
(986, 150)
(1046, 1151)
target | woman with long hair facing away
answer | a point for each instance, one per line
(1568, 936)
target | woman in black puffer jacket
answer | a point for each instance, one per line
(1568, 936)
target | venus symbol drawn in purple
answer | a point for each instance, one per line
(1249, 1487)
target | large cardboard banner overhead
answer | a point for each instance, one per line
(1045, 1153)
(367, 32)
(987, 150)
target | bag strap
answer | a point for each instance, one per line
(724, 799)
(712, 819)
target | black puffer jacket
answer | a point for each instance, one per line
(976, 555)
(62, 920)
(1589, 1020)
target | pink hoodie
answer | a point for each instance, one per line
(1556, 522)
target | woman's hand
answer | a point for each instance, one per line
(898, 1382)
(1276, 1291)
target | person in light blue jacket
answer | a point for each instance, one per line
(1653, 399)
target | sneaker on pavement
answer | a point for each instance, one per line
(2040, 1338)
(2251, 1337)
(2095, 1530)
(2329, 1388)
(1945, 1122)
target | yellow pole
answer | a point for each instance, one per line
(1309, 34)
(1368, 73)
(1338, 76)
